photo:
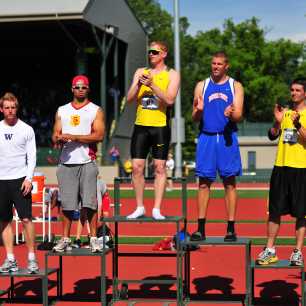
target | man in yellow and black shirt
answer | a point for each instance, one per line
(288, 181)
(155, 90)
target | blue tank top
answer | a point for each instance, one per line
(216, 98)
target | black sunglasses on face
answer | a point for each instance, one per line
(153, 52)
(80, 87)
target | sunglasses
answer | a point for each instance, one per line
(153, 52)
(80, 87)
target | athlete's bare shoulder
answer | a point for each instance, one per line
(238, 86)
(140, 70)
(174, 75)
(199, 88)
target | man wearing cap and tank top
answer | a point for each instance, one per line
(218, 106)
(155, 90)
(78, 127)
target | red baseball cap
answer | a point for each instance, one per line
(80, 78)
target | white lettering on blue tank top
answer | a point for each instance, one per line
(216, 98)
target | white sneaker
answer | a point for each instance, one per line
(9, 266)
(62, 245)
(157, 215)
(32, 266)
(95, 246)
(139, 212)
(296, 258)
(266, 257)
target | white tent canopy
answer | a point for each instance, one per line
(98, 12)
(12, 10)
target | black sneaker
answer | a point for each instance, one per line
(197, 236)
(77, 244)
(86, 244)
(230, 237)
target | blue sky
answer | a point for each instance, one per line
(281, 18)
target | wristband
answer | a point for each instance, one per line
(297, 125)
(273, 136)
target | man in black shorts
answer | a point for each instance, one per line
(287, 185)
(17, 163)
(155, 90)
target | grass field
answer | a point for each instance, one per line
(151, 240)
(215, 194)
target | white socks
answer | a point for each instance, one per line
(140, 211)
(10, 256)
(271, 250)
(31, 256)
(157, 215)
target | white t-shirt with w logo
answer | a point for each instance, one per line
(17, 151)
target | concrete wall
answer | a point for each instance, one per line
(264, 148)
(265, 156)
(108, 173)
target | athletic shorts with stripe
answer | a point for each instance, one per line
(78, 184)
(287, 193)
(218, 153)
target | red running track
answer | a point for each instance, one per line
(247, 209)
(216, 270)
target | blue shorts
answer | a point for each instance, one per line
(218, 152)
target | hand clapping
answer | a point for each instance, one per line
(295, 117)
(146, 79)
(229, 110)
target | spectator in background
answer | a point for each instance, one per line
(103, 199)
(53, 197)
(128, 168)
(114, 154)
(170, 168)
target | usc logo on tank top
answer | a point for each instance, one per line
(75, 120)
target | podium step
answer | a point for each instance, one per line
(218, 241)
(281, 264)
(24, 273)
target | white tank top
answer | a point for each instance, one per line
(77, 121)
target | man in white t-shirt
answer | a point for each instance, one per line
(17, 163)
(78, 127)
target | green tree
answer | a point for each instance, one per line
(265, 68)
(156, 21)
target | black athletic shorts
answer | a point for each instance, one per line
(150, 137)
(287, 192)
(11, 195)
